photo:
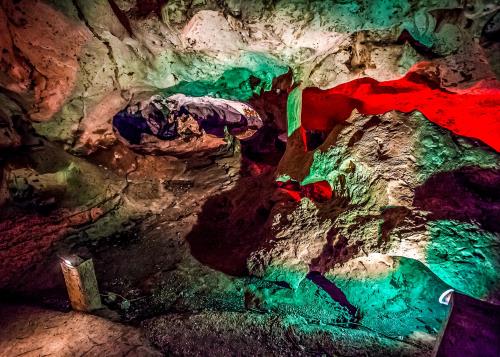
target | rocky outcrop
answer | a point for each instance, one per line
(40, 58)
(381, 170)
(207, 156)
(281, 337)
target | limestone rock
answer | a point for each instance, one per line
(180, 125)
(298, 238)
(381, 169)
(150, 134)
(81, 332)
(100, 49)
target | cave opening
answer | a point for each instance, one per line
(183, 117)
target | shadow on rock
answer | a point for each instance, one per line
(468, 194)
(232, 224)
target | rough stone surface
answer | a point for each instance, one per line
(193, 238)
(32, 331)
(222, 334)
(388, 202)
(92, 49)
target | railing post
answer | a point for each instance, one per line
(81, 283)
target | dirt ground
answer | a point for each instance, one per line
(33, 332)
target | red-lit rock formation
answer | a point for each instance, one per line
(471, 112)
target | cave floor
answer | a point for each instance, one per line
(33, 331)
(177, 280)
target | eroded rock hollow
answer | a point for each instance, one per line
(249, 177)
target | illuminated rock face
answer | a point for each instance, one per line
(321, 110)
(223, 155)
(96, 55)
(388, 174)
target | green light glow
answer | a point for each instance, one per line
(406, 295)
(335, 167)
(294, 108)
(464, 256)
(439, 152)
(245, 77)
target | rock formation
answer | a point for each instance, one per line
(316, 172)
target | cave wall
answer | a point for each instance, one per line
(97, 52)
(388, 201)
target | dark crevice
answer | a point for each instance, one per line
(144, 8)
(318, 192)
(406, 37)
(469, 194)
(314, 139)
(491, 31)
(232, 223)
(335, 293)
(448, 16)
(121, 16)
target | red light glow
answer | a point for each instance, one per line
(471, 112)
